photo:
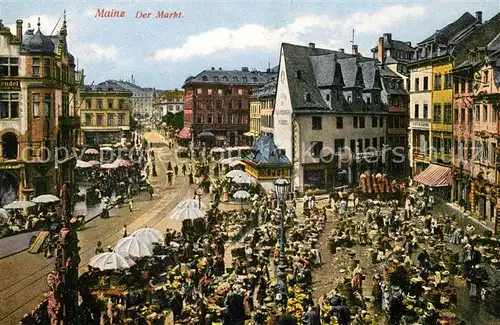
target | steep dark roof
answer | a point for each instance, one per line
(480, 36)
(36, 43)
(268, 90)
(446, 34)
(107, 86)
(232, 77)
(393, 83)
(265, 152)
(395, 44)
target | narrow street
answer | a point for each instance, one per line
(21, 291)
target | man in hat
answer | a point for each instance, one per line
(312, 316)
(99, 248)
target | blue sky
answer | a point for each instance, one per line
(161, 53)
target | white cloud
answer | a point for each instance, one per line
(320, 28)
(87, 53)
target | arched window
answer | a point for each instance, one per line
(224, 78)
(254, 79)
(204, 78)
(245, 79)
(235, 79)
(216, 78)
(308, 97)
(9, 146)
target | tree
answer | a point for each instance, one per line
(175, 121)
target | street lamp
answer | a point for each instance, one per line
(281, 187)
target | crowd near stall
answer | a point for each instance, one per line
(397, 262)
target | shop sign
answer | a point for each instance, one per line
(10, 85)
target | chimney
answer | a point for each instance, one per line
(312, 45)
(341, 51)
(19, 30)
(268, 70)
(244, 69)
(213, 68)
(479, 16)
(388, 38)
(380, 51)
(354, 49)
(220, 69)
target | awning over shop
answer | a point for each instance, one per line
(250, 134)
(185, 133)
(435, 176)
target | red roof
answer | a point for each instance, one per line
(435, 176)
(185, 133)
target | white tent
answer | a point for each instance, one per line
(186, 213)
(19, 205)
(236, 173)
(83, 164)
(133, 247)
(191, 203)
(46, 198)
(148, 235)
(242, 195)
(110, 261)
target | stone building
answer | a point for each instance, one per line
(105, 111)
(329, 117)
(217, 103)
(38, 126)
(168, 101)
(142, 98)
(261, 109)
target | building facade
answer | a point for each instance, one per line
(218, 102)
(105, 111)
(329, 117)
(38, 125)
(168, 101)
(261, 109)
(142, 98)
(431, 117)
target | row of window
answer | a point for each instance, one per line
(440, 82)
(221, 118)
(221, 92)
(110, 119)
(484, 151)
(234, 79)
(359, 145)
(41, 67)
(100, 104)
(358, 122)
(219, 104)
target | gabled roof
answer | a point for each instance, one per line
(446, 34)
(107, 86)
(396, 45)
(265, 152)
(480, 36)
(230, 77)
(267, 90)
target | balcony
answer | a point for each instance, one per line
(420, 123)
(70, 122)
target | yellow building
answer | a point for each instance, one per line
(261, 109)
(255, 108)
(105, 113)
(442, 118)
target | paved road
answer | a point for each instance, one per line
(23, 280)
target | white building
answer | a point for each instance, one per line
(142, 98)
(328, 102)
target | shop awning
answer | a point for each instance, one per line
(185, 133)
(435, 176)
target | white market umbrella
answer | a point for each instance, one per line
(19, 205)
(236, 173)
(109, 166)
(123, 163)
(83, 164)
(4, 215)
(148, 235)
(243, 179)
(186, 213)
(218, 150)
(110, 261)
(93, 162)
(46, 198)
(106, 149)
(242, 195)
(191, 203)
(133, 247)
(91, 151)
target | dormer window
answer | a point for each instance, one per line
(254, 79)
(368, 100)
(299, 74)
(327, 97)
(245, 79)
(235, 79)
(308, 97)
(349, 99)
(375, 99)
(216, 78)
(224, 78)
(204, 78)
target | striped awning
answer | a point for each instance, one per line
(435, 176)
(185, 133)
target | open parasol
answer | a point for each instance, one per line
(186, 213)
(236, 173)
(123, 163)
(133, 247)
(191, 203)
(106, 149)
(83, 164)
(46, 198)
(93, 162)
(243, 179)
(242, 195)
(19, 205)
(110, 261)
(109, 166)
(148, 235)
(91, 151)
